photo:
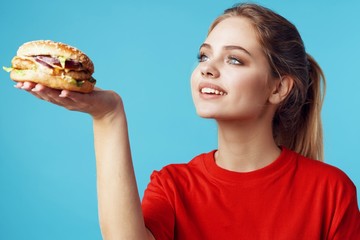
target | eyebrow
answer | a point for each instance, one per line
(229, 47)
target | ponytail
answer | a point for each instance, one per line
(309, 138)
(297, 122)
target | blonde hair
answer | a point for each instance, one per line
(297, 121)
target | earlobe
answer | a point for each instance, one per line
(281, 89)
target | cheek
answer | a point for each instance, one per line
(193, 80)
(252, 87)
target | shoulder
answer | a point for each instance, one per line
(330, 185)
(322, 173)
(319, 168)
(195, 164)
(182, 171)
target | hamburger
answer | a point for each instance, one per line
(53, 64)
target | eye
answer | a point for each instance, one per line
(234, 60)
(202, 57)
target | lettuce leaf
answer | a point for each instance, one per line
(8, 69)
(62, 61)
(79, 83)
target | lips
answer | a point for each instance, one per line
(211, 89)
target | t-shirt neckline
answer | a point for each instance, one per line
(278, 166)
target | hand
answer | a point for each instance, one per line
(98, 103)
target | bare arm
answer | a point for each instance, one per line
(119, 202)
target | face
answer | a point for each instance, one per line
(231, 81)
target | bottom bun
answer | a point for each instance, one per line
(51, 81)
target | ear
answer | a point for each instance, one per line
(281, 89)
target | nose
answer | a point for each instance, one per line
(209, 70)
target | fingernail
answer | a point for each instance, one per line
(63, 94)
(37, 88)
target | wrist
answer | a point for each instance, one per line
(111, 108)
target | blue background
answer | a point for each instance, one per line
(144, 50)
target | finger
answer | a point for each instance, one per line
(32, 88)
(24, 85)
(29, 85)
(74, 96)
(45, 93)
(65, 94)
(52, 96)
(18, 85)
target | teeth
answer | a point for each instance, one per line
(212, 91)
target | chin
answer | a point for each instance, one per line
(205, 109)
(205, 113)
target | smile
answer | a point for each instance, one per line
(208, 90)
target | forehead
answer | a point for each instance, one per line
(235, 31)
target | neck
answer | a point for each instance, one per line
(245, 147)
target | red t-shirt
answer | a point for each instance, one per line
(292, 198)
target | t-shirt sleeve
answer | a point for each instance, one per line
(346, 221)
(157, 209)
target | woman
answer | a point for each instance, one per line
(256, 80)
